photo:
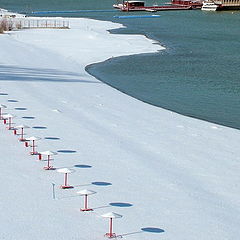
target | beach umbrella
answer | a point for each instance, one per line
(21, 127)
(1, 110)
(66, 171)
(8, 117)
(48, 154)
(33, 140)
(111, 216)
(86, 193)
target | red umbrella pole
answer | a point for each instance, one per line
(9, 123)
(65, 186)
(65, 180)
(48, 167)
(21, 138)
(48, 161)
(111, 228)
(33, 146)
(86, 201)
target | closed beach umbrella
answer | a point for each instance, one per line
(21, 128)
(1, 110)
(48, 154)
(8, 117)
(111, 216)
(86, 193)
(66, 171)
(33, 140)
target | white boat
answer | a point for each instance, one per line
(125, 4)
(209, 6)
(119, 5)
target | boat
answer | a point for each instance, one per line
(130, 4)
(209, 6)
(217, 5)
(195, 4)
(140, 6)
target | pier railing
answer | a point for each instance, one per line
(24, 23)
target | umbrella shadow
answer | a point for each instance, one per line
(3, 94)
(120, 204)
(52, 138)
(82, 166)
(101, 183)
(152, 230)
(66, 151)
(12, 100)
(39, 127)
(28, 117)
(20, 108)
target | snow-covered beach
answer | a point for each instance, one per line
(170, 176)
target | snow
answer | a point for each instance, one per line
(169, 176)
(6, 13)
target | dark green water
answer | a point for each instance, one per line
(198, 73)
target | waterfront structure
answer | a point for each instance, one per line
(221, 5)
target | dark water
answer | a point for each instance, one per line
(198, 73)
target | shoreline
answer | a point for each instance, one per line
(188, 167)
(155, 105)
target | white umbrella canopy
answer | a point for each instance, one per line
(33, 138)
(5, 116)
(22, 126)
(48, 153)
(111, 215)
(65, 170)
(86, 192)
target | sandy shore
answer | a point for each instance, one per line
(168, 175)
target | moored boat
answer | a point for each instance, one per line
(140, 6)
(216, 5)
(209, 6)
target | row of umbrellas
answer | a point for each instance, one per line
(31, 142)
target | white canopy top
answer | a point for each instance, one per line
(111, 215)
(22, 126)
(49, 153)
(65, 170)
(86, 192)
(8, 116)
(3, 106)
(33, 138)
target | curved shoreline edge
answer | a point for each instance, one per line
(152, 104)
